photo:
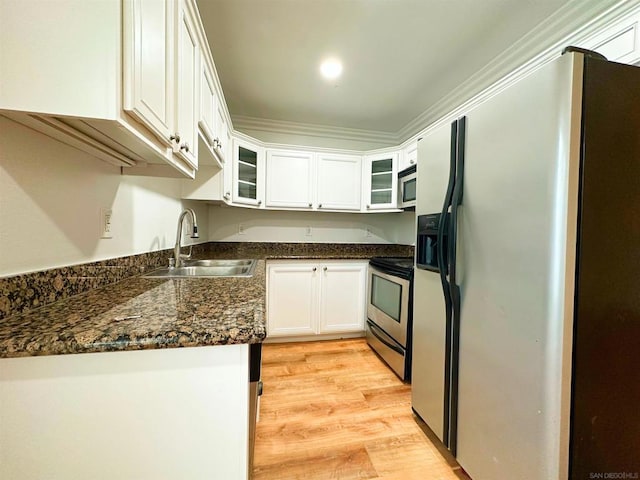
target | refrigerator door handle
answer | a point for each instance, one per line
(453, 340)
(456, 200)
(443, 226)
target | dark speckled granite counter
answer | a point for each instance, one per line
(173, 312)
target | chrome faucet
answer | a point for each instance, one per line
(194, 234)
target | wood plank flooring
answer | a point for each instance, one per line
(334, 410)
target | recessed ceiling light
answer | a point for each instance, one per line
(331, 68)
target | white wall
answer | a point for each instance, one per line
(291, 226)
(50, 199)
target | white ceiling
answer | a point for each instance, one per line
(400, 56)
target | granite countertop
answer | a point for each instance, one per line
(172, 313)
(148, 313)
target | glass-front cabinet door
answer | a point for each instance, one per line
(248, 173)
(382, 180)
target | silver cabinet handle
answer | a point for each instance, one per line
(368, 206)
(325, 269)
(259, 202)
(314, 269)
(412, 161)
(175, 138)
(227, 195)
(319, 205)
(310, 205)
(185, 147)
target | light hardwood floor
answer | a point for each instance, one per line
(334, 410)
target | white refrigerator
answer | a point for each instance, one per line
(526, 331)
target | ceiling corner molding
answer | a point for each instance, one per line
(241, 123)
(575, 22)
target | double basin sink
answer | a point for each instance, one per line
(207, 269)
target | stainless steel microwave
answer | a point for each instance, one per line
(407, 188)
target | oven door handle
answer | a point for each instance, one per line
(372, 327)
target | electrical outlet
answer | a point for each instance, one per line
(307, 231)
(240, 229)
(106, 230)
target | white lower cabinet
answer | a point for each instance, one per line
(343, 290)
(306, 297)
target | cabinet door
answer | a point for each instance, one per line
(292, 292)
(188, 57)
(619, 43)
(343, 297)
(409, 157)
(227, 181)
(207, 119)
(223, 135)
(148, 68)
(339, 180)
(289, 179)
(382, 181)
(248, 177)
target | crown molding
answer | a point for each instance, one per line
(573, 23)
(241, 122)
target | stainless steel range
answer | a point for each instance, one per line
(389, 311)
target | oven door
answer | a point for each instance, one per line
(388, 303)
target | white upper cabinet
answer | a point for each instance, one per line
(207, 122)
(338, 182)
(223, 141)
(149, 83)
(289, 179)
(207, 152)
(187, 74)
(120, 82)
(381, 177)
(213, 130)
(248, 173)
(621, 42)
(408, 156)
(49, 66)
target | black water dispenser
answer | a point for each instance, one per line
(427, 243)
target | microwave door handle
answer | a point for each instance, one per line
(372, 327)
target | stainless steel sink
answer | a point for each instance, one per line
(207, 268)
(218, 263)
